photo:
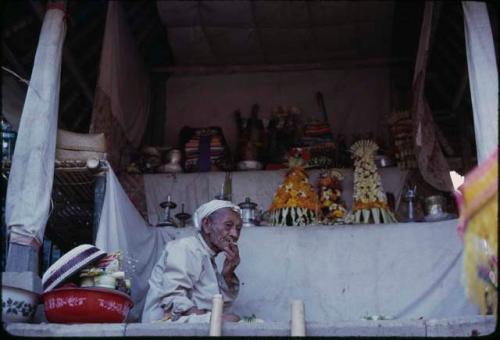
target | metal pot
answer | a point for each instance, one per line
(434, 205)
(383, 161)
(248, 212)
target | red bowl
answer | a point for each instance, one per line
(86, 305)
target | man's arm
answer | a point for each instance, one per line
(181, 269)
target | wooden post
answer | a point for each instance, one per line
(99, 192)
(216, 317)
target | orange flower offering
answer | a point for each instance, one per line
(295, 202)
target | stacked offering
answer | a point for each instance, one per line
(316, 133)
(369, 199)
(332, 208)
(295, 202)
(107, 273)
(318, 142)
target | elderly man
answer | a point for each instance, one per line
(185, 278)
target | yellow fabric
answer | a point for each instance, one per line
(483, 227)
(474, 191)
(480, 211)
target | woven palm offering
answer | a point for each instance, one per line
(369, 199)
(295, 202)
(478, 225)
(332, 208)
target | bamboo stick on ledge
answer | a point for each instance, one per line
(216, 317)
(298, 323)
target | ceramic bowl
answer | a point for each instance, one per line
(18, 305)
(86, 305)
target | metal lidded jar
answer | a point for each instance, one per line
(248, 212)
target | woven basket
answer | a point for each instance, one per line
(80, 146)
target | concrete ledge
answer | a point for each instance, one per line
(461, 326)
(403, 328)
(63, 330)
(166, 329)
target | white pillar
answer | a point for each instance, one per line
(216, 317)
(32, 170)
(298, 323)
(483, 76)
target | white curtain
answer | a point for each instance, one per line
(122, 228)
(123, 78)
(431, 161)
(32, 171)
(483, 76)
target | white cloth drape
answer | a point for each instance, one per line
(403, 270)
(122, 228)
(32, 171)
(408, 270)
(483, 76)
(123, 77)
(432, 163)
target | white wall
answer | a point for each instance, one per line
(356, 99)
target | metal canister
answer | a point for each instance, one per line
(8, 141)
(434, 205)
(248, 212)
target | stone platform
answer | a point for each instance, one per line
(452, 327)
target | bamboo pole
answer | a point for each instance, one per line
(216, 317)
(298, 324)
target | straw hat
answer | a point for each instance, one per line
(69, 264)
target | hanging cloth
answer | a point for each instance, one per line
(122, 98)
(483, 76)
(32, 171)
(430, 158)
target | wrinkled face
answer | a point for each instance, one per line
(221, 228)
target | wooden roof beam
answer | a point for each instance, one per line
(77, 38)
(21, 24)
(145, 33)
(457, 99)
(338, 64)
(19, 68)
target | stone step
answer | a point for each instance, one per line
(455, 327)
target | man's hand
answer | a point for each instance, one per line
(230, 263)
(230, 317)
(194, 310)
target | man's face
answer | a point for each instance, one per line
(222, 228)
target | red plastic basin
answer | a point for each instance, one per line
(86, 305)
